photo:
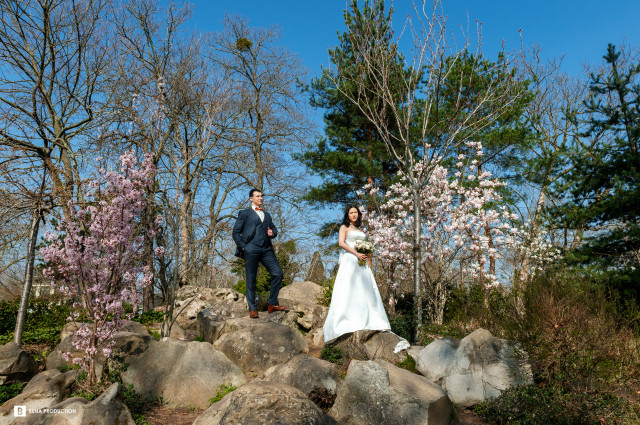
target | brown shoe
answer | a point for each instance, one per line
(274, 308)
(254, 314)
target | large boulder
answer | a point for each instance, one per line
(226, 303)
(304, 292)
(44, 390)
(302, 298)
(211, 326)
(377, 392)
(184, 374)
(188, 291)
(371, 345)
(304, 373)
(108, 409)
(16, 364)
(257, 348)
(263, 403)
(476, 368)
(131, 340)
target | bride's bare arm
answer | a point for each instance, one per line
(342, 242)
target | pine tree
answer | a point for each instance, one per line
(350, 154)
(603, 188)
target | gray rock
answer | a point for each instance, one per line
(107, 409)
(188, 291)
(259, 347)
(304, 373)
(44, 390)
(176, 331)
(305, 292)
(226, 303)
(211, 325)
(370, 345)
(476, 368)
(289, 318)
(301, 298)
(263, 403)
(381, 393)
(184, 374)
(15, 364)
(133, 339)
(315, 338)
(186, 312)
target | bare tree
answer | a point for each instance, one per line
(266, 77)
(54, 54)
(408, 116)
(557, 138)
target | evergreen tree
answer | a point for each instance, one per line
(350, 154)
(603, 193)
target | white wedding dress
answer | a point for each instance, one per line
(355, 302)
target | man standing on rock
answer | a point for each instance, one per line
(252, 234)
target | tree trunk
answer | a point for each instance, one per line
(28, 275)
(417, 258)
(184, 232)
(147, 292)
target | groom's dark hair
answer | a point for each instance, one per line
(252, 191)
(345, 219)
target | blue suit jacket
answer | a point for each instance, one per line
(244, 231)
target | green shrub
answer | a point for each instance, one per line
(138, 405)
(554, 405)
(324, 298)
(433, 331)
(402, 324)
(409, 363)
(581, 340)
(332, 354)
(9, 391)
(43, 323)
(241, 287)
(222, 391)
(49, 336)
(8, 315)
(149, 317)
(262, 295)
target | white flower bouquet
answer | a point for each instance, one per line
(363, 247)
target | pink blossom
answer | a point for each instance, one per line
(100, 256)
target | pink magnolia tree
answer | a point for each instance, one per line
(95, 258)
(462, 229)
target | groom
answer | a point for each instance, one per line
(252, 234)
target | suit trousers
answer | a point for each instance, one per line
(253, 255)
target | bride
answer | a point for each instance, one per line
(355, 302)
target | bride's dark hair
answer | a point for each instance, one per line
(346, 220)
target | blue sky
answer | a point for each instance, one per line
(579, 30)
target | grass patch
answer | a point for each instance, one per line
(332, 354)
(409, 364)
(9, 391)
(222, 391)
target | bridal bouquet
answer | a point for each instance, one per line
(363, 247)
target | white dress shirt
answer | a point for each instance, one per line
(260, 213)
